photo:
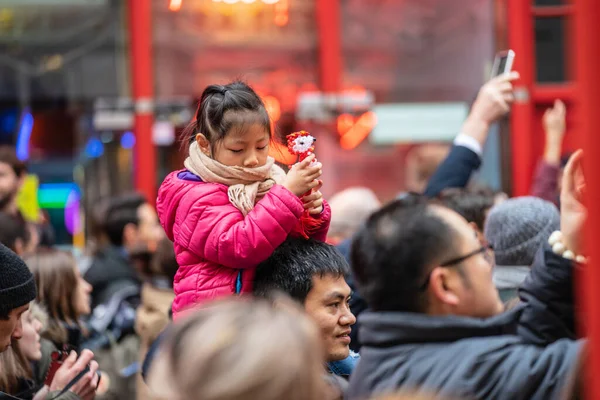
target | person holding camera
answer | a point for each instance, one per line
(76, 378)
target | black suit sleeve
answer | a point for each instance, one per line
(454, 172)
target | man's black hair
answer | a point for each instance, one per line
(292, 266)
(392, 252)
(472, 203)
(13, 229)
(120, 212)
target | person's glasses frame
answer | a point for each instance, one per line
(485, 249)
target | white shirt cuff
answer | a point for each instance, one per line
(469, 142)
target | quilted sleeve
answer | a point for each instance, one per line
(325, 217)
(213, 229)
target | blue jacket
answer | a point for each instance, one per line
(345, 367)
(528, 352)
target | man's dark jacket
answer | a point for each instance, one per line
(528, 352)
(454, 172)
(111, 271)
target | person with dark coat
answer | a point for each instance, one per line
(17, 290)
(436, 322)
(126, 222)
(492, 102)
(152, 315)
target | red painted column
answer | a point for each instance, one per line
(330, 82)
(587, 57)
(330, 45)
(520, 39)
(140, 37)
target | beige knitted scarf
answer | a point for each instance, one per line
(246, 185)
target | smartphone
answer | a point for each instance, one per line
(503, 63)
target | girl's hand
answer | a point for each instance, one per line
(302, 177)
(313, 202)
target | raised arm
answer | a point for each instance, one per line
(493, 101)
(550, 313)
(545, 181)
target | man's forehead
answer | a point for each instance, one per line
(329, 285)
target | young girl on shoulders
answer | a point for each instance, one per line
(232, 205)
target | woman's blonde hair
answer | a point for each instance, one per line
(13, 363)
(241, 349)
(39, 312)
(56, 281)
(13, 366)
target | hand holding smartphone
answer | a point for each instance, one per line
(503, 63)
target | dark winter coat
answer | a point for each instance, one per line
(528, 352)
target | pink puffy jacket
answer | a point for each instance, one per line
(217, 248)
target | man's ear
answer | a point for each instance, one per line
(443, 286)
(19, 247)
(203, 143)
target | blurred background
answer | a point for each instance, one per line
(384, 84)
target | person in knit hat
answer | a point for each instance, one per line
(516, 229)
(17, 290)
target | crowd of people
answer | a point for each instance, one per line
(244, 283)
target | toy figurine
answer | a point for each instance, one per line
(302, 144)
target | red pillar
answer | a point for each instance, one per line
(520, 39)
(587, 57)
(140, 36)
(330, 45)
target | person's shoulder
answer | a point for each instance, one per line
(180, 179)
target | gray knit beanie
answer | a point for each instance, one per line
(517, 228)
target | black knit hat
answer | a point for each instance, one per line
(17, 286)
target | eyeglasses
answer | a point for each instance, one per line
(485, 250)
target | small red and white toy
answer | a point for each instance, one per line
(301, 144)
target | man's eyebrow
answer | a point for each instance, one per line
(336, 295)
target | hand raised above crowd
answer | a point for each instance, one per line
(573, 212)
(493, 101)
(494, 98)
(554, 121)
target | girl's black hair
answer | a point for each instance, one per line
(223, 107)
